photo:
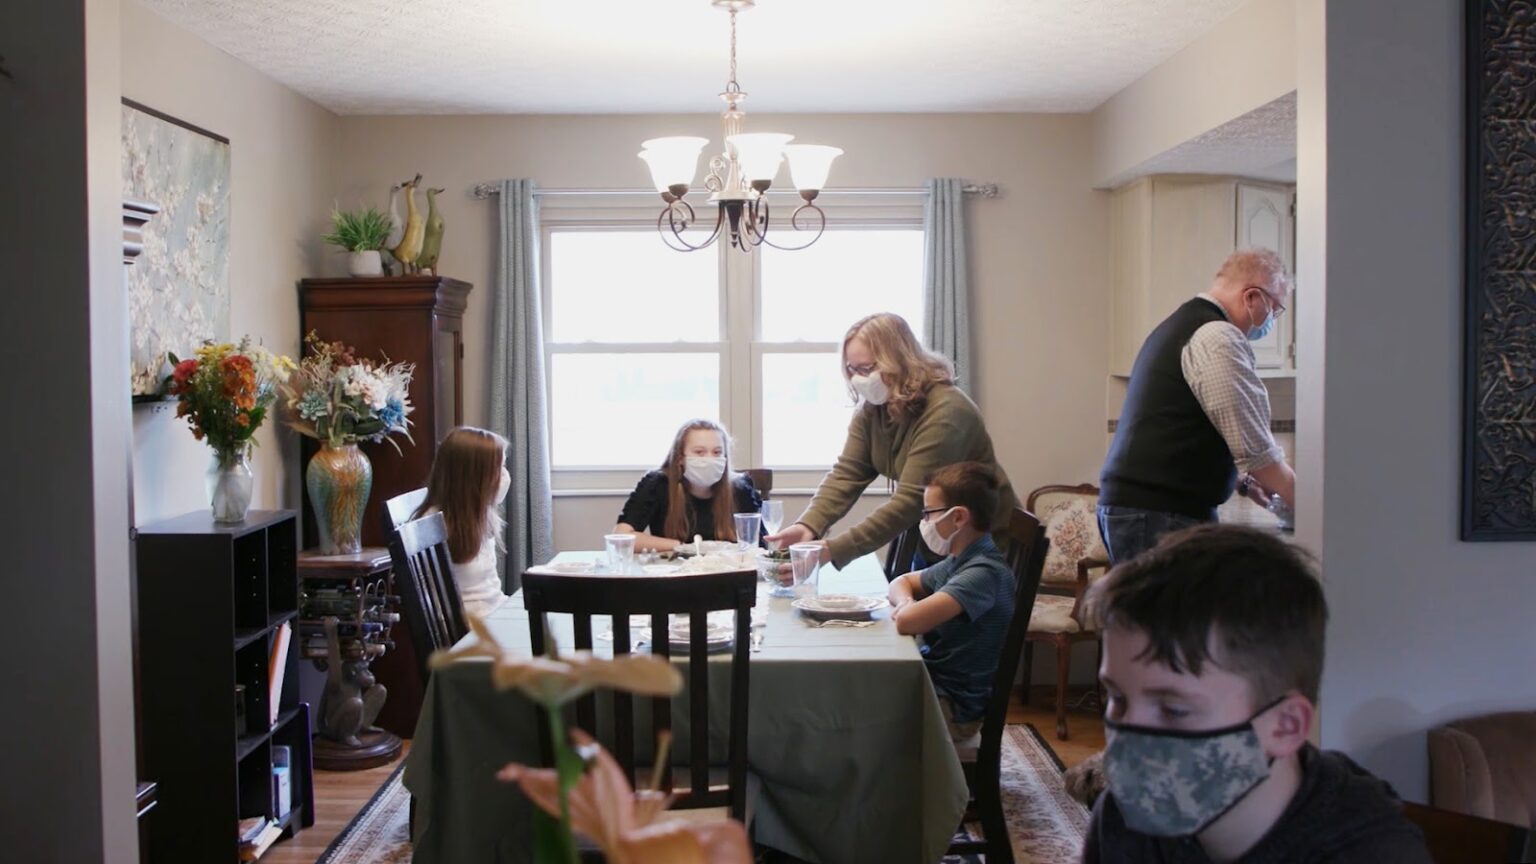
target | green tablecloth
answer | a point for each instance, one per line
(844, 733)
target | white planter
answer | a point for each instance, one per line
(365, 263)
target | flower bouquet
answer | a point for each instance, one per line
(224, 392)
(341, 400)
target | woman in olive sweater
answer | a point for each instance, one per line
(911, 420)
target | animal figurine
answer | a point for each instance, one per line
(432, 244)
(352, 698)
(409, 247)
(397, 228)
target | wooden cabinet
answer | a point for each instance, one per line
(420, 320)
(1168, 236)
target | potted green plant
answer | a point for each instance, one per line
(362, 233)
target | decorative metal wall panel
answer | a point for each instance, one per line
(1499, 443)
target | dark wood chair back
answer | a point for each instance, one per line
(695, 595)
(1026, 557)
(418, 549)
(402, 509)
(1456, 837)
(762, 478)
(900, 551)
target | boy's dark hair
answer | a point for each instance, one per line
(972, 485)
(1243, 599)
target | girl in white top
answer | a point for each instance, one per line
(469, 481)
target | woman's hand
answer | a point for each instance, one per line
(796, 533)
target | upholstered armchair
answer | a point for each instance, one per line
(1075, 557)
(1486, 766)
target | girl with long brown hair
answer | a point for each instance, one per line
(694, 492)
(469, 480)
(911, 420)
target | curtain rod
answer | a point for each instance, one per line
(979, 190)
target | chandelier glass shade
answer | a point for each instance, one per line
(739, 177)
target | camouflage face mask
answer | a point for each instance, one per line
(1173, 784)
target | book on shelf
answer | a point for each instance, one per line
(252, 849)
(278, 666)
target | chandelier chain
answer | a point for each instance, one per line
(731, 85)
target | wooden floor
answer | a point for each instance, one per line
(341, 794)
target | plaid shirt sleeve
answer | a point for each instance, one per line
(1219, 365)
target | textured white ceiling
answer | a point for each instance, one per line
(1260, 144)
(645, 56)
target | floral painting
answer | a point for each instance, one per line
(178, 287)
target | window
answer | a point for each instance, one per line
(640, 338)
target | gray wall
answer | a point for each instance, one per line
(1425, 628)
(68, 722)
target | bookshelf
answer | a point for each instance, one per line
(212, 600)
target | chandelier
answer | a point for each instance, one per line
(739, 177)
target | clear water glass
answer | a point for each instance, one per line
(749, 527)
(773, 516)
(621, 552)
(804, 561)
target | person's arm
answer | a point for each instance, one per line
(842, 486)
(1219, 367)
(904, 589)
(937, 440)
(640, 509)
(747, 500)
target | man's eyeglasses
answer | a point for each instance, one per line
(1275, 305)
(929, 511)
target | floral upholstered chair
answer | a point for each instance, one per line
(1076, 555)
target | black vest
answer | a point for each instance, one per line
(1167, 455)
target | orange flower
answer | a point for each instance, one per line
(243, 419)
(630, 827)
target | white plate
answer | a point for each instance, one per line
(661, 569)
(853, 607)
(571, 566)
(719, 637)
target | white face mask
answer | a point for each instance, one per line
(704, 471)
(929, 528)
(502, 486)
(871, 388)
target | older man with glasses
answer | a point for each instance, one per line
(1196, 414)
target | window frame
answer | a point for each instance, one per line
(740, 346)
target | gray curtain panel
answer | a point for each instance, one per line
(517, 383)
(946, 292)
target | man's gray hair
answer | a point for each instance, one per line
(1260, 267)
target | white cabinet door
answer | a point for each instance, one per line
(1264, 220)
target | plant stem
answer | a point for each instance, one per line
(569, 768)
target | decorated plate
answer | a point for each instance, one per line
(850, 606)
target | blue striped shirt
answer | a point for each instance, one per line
(961, 654)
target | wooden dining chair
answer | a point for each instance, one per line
(695, 595)
(418, 550)
(900, 552)
(762, 479)
(402, 508)
(983, 767)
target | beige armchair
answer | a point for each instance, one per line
(1076, 556)
(1486, 766)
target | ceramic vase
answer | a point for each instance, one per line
(365, 263)
(339, 480)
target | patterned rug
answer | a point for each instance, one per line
(1045, 825)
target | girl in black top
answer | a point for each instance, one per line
(694, 492)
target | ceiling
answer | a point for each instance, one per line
(653, 56)
(1260, 144)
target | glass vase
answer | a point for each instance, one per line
(229, 483)
(339, 479)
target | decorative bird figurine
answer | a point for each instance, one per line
(409, 247)
(432, 244)
(396, 227)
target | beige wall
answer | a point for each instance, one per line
(1246, 61)
(280, 192)
(1039, 270)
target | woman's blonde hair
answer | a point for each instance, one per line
(679, 525)
(910, 370)
(466, 473)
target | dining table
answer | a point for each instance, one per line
(848, 752)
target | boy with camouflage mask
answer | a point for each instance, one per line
(1213, 655)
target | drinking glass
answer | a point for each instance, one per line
(804, 561)
(749, 527)
(773, 516)
(621, 551)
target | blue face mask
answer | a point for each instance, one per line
(1259, 331)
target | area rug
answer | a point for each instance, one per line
(1045, 825)
(380, 833)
